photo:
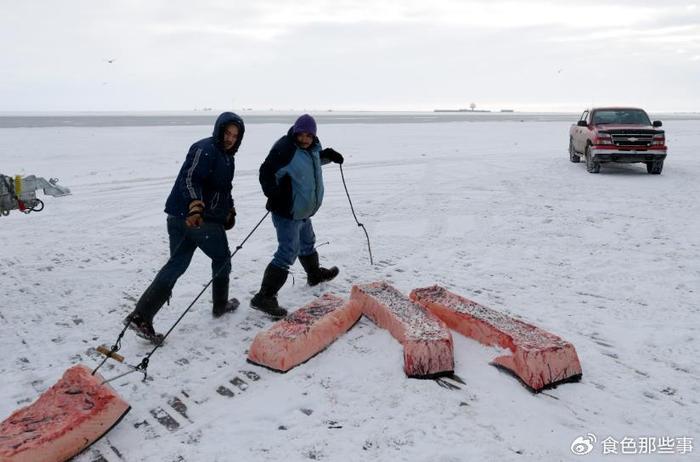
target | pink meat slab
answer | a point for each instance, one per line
(304, 333)
(66, 419)
(426, 340)
(539, 359)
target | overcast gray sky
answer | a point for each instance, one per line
(348, 54)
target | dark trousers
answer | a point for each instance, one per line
(209, 237)
(294, 238)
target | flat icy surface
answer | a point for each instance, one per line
(489, 207)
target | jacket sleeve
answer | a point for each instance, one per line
(195, 171)
(268, 169)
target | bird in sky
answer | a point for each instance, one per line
(110, 61)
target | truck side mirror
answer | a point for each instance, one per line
(657, 123)
(582, 123)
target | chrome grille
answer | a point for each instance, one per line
(632, 137)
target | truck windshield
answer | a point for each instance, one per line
(621, 116)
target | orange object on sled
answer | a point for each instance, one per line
(540, 359)
(66, 419)
(426, 340)
(304, 333)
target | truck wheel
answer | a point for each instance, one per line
(573, 157)
(655, 167)
(591, 165)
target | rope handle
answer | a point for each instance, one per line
(110, 354)
(116, 347)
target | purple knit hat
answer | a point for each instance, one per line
(305, 124)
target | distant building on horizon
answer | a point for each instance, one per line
(461, 110)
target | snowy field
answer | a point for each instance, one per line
(492, 209)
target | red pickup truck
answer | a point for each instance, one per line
(617, 134)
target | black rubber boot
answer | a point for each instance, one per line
(266, 299)
(151, 301)
(221, 303)
(316, 274)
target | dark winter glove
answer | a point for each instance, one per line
(230, 219)
(194, 216)
(332, 155)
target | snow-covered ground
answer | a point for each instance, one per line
(491, 209)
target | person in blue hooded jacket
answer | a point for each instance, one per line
(200, 210)
(292, 180)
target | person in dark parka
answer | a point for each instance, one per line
(200, 209)
(292, 180)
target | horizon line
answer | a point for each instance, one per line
(213, 111)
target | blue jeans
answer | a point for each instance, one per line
(209, 237)
(294, 238)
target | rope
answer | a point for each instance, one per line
(37, 207)
(118, 343)
(133, 369)
(143, 365)
(116, 347)
(352, 209)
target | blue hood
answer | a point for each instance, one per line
(224, 120)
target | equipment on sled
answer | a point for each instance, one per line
(19, 193)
